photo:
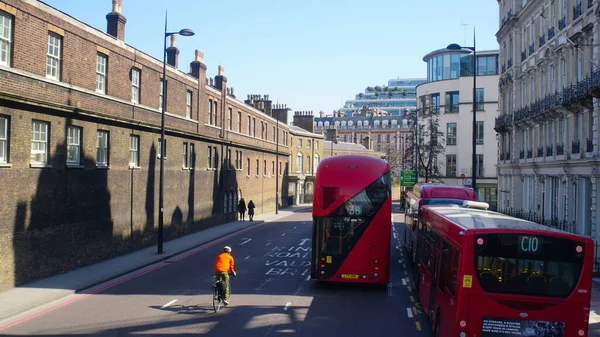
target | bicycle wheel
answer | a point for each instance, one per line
(216, 299)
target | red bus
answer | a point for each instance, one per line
(352, 220)
(486, 274)
(429, 194)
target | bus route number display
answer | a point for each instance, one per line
(529, 244)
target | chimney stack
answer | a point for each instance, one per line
(197, 67)
(221, 80)
(305, 120)
(115, 21)
(172, 53)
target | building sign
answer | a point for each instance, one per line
(408, 178)
(498, 327)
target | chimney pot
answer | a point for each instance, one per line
(173, 40)
(199, 56)
(116, 6)
(221, 70)
(232, 91)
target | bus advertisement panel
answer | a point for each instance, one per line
(352, 215)
(487, 274)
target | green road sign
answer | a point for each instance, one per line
(408, 178)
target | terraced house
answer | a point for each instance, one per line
(80, 116)
(549, 159)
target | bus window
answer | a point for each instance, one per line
(449, 268)
(528, 265)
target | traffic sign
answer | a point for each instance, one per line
(408, 178)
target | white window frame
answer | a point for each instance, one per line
(74, 145)
(6, 22)
(185, 158)
(239, 122)
(159, 147)
(39, 142)
(188, 104)
(101, 71)
(315, 162)
(192, 160)
(102, 141)
(53, 56)
(299, 162)
(134, 151)
(160, 95)
(4, 139)
(229, 118)
(135, 85)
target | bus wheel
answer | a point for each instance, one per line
(436, 332)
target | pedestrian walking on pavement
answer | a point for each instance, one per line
(242, 208)
(251, 210)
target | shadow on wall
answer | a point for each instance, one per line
(225, 189)
(70, 222)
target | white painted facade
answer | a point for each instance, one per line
(549, 161)
(462, 118)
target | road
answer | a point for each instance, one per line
(272, 295)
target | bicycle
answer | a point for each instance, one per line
(219, 295)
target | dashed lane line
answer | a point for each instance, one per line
(403, 282)
(247, 257)
(418, 325)
(287, 305)
(409, 312)
(168, 304)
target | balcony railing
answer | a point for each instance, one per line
(577, 11)
(575, 146)
(542, 40)
(549, 151)
(562, 23)
(540, 152)
(560, 149)
(522, 154)
(529, 153)
(550, 33)
(589, 145)
(540, 218)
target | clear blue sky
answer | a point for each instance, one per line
(309, 54)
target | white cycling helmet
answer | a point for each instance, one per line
(227, 249)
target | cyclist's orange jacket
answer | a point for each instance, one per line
(224, 263)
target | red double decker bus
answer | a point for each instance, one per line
(352, 220)
(485, 274)
(429, 194)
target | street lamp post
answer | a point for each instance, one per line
(277, 165)
(183, 32)
(455, 46)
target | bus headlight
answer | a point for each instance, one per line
(463, 334)
(375, 274)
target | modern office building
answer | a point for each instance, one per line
(548, 126)
(448, 94)
(393, 98)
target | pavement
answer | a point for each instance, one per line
(41, 292)
(594, 325)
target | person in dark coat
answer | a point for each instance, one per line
(251, 208)
(242, 208)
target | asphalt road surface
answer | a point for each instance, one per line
(272, 295)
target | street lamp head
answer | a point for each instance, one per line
(186, 32)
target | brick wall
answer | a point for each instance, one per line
(57, 218)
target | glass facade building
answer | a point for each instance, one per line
(395, 98)
(453, 64)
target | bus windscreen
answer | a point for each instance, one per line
(525, 264)
(342, 229)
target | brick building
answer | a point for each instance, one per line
(79, 144)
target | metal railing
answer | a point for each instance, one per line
(537, 217)
(549, 151)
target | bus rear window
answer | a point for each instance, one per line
(528, 264)
(443, 201)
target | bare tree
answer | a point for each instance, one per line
(394, 157)
(430, 144)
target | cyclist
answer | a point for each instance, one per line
(224, 265)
